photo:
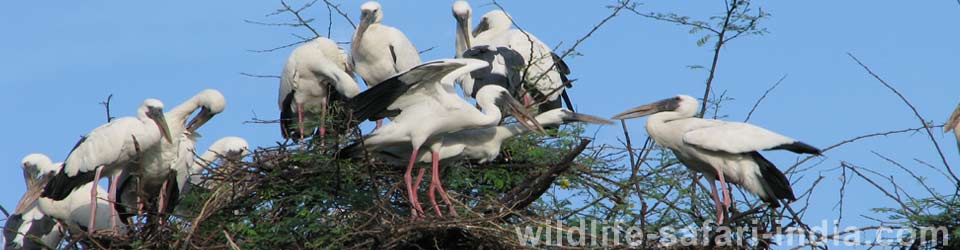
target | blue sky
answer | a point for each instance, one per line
(59, 61)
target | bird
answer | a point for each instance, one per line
(425, 103)
(479, 145)
(544, 72)
(228, 149)
(377, 51)
(954, 123)
(311, 71)
(505, 64)
(728, 151)
(28, 227)
(156, 175)
(72, 211)
(107, 150)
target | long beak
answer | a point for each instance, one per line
(162, 124)
(481, 27)
(199, 120)
(518, 111)
(571, 116)
(953, 120)
(669, 104)
(464, 32)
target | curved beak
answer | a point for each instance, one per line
(158, 118)
(199, 120)
(953, 121)
(578, 117)
(519, 111)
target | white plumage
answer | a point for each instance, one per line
(315, 73)
(109, 149)
(378, 51)
(28, 227)
(544, 73)
(483, 144)
(227, 148)
(728, 151)
(425, 103)
(158, 166)
(74, 210)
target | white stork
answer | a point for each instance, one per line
(377, 51)
(73, 210)
(954, 123)
(227, 149)
(157, 172)
(729, 151)
(426, 104)
(28, 227)
(544, 73)
(481, 145)
(311, 70)
(109, 149)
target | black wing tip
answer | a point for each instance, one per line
(800, 148)
(61, 185)
(776, 182)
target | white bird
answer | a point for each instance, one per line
(226, 149)
(28, 227)
(109, 149)
(377, 51)
(480, 145)
(954, 123)
(311, 70)
(74, 209)
(156, 175)
(426, 104)
(544, 73)
(719, 149)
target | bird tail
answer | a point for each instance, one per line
(288, 117)
(800, 148)
(61, 185)
(776, 185)
(350, 151)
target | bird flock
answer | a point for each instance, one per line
(151, 159)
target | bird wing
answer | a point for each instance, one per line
(504, 70)
(734, 137)
(405, 55)
(108, 144)
(428, 80)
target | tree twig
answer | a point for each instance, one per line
(765, 93)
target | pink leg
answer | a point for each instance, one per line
(416, 184)
(527, 100)
(323, 120)
(726, 191)
(416, 189)
(433, 186)
(162, 204)
(300, 120)
(113, 196)
(716, 201)
(93, 202)
(443, 193)
(379, 124)
(415, 208)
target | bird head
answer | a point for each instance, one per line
(370, 13)
(494, 20)
(682, 104)
(953, 121)
(211, 103)
(153, 109)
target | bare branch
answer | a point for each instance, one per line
(106, 106)
(765, 93)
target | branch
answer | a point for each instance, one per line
(106, 105)
(531, 189)
(716, 57)
(765, 93)
(259, 76)
(923, 122)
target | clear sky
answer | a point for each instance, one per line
(58, 60)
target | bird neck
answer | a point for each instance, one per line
(355, 42)
(491, 113)
(181, 112)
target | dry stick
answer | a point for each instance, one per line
(106, 106)
(716, 57)
(916, 113)
(885, 192)
(529, 191)
(296, 13)
(765, 93)
(912, 174)
(339, 11)
(233, 245)
(854, 139)
(259, 76)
